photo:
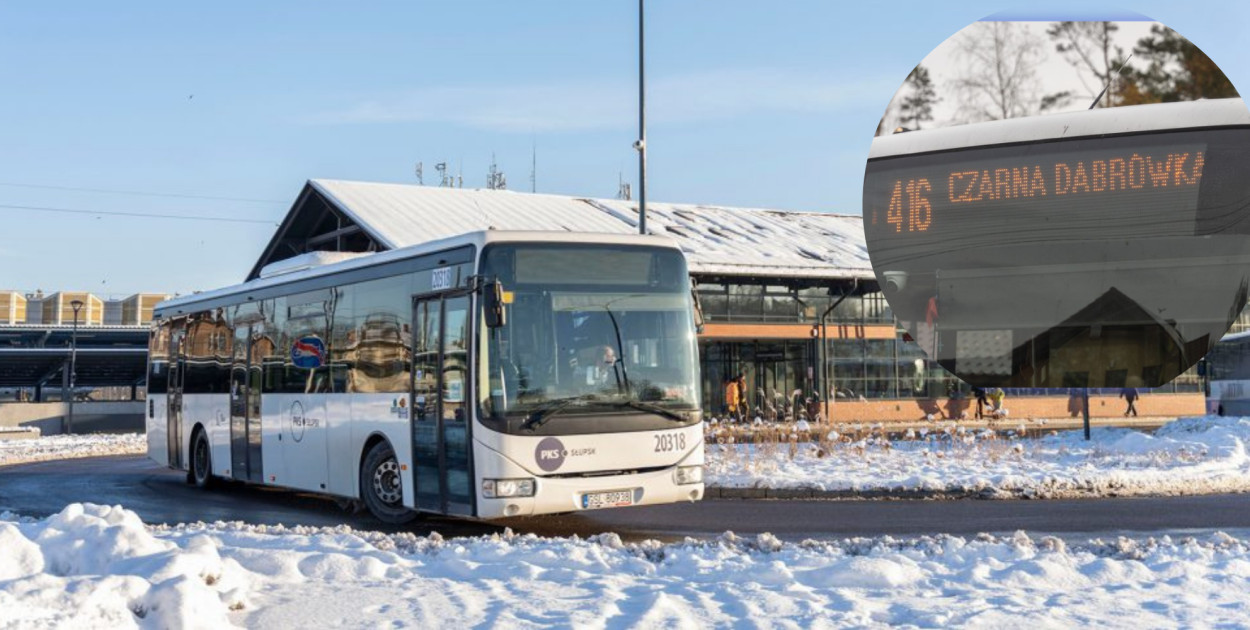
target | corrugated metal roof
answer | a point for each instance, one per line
(401, 215)
(716, 239)
(724, 240)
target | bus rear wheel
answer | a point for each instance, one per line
(381, 486)
(201, 460)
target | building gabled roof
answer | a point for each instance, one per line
(716, 240)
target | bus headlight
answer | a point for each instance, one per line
(686, 475)
(504, 488)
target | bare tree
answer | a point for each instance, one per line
(1090, 48)
(998, 74)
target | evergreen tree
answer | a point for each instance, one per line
(917, 106)
(1177, 71)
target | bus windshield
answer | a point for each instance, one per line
(598, 338)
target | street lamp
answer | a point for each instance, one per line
(73, 364)
(641, 143)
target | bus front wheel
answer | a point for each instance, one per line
(381, 486)
(201, 460)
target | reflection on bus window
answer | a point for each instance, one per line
(603, 328)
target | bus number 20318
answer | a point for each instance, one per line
(666, 442)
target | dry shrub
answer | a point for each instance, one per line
(759, 445)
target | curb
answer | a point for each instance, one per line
(19, 434)
(988, 494)
(717, 492)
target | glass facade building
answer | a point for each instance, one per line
(769, 331)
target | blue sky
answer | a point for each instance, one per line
(750, 103)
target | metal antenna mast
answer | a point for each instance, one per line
(495, 179)
(641, 144)
(1114, 75)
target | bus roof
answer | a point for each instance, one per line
(1225, 112)
(478, 239)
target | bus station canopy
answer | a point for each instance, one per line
(33, 355)
(337, 215)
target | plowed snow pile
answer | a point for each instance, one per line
(95, 566)
(67, 446)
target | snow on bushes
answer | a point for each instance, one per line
(1187, 456)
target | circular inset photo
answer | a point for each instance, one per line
(1063, 204)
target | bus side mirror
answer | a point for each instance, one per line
(698, 309)
(492, 305)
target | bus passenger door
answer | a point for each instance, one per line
(177, 371)
(259, 347)
(440, 410)
(427, 339)
(457, 469)
(245, 382)
(238, 402)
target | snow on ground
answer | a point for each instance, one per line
(1187, 456)
(66, 446)
(97, 566)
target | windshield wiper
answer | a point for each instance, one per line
(667, 414)
(539, 416)
(620, 352)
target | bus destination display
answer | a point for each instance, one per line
(1158, 182)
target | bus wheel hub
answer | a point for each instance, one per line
(386, 482)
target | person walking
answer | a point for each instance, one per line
(979, 392)
(1129, 394)
(731, 397)
(744, 405)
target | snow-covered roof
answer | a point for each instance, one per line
(729, 241)
(399, 215)
(716, 239)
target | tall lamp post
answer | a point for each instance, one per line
(641, 143)
(73, 364)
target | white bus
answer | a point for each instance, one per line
(1227, 368)
(488, 375)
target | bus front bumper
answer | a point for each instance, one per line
(576, 494)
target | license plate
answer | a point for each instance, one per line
(615, 498)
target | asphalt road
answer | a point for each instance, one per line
(159, 495)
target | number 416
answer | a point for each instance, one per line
(915, 211)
